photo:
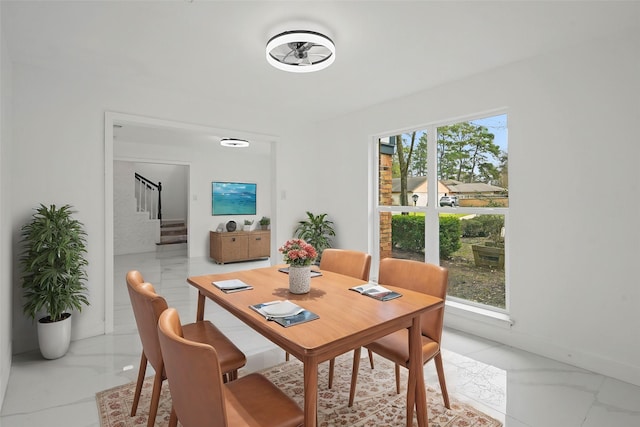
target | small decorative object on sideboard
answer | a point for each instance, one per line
(231, 226)
(299, 255)
(265, 223)
(247, 224)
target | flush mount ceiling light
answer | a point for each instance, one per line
(234, 142)
(301, 51)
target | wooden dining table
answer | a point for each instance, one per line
(347, 320)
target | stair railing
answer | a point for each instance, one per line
(145, 191)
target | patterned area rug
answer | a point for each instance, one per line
(376, 402)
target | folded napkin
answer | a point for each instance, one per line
(285, 313)
(231, 285)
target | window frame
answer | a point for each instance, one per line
(432, 210)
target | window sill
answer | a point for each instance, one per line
(472, 312)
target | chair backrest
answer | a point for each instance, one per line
(350, 263)
(147, 307)
(422, 277)
(194, 374)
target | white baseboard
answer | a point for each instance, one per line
(498, 328)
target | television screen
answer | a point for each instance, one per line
(233, 198)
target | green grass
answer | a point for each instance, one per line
(467, 281)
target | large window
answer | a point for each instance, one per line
(443, 198)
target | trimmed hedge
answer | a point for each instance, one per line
(473, 228)
(407, 233)
(449, 236)
(483, 226)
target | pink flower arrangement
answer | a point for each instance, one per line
(298, 253)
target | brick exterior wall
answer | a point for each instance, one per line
(385, 176)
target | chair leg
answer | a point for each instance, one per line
(397, 378)
(332, 364)
(141, 373)
(286, 357)
(370, 358)
(443, 384)
(230, 376)
(173, 418)
(354, 375)
(155, 397)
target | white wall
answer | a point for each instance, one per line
(6, 234)
(574, 293)
(60, 118)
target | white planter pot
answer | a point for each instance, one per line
(299, 279)
(54, 338)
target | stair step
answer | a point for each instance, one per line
(173, 232)
(173, 223)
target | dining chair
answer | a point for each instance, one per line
(200, 398)
(350, 263)
(421, 277)
(147, 307)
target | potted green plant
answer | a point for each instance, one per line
(265, 223)
(316, 230)
(247, 224)
(53, 275)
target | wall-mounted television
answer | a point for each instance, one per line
(233, 198)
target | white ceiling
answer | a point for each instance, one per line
(216, 49)
(186, 136)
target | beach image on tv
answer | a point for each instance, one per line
(233, 198)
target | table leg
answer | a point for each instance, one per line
(411, 399)
(310, 391)
(200, 311)
(416, 377)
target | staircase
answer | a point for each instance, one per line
(173, 233)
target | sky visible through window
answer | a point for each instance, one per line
(497, 125)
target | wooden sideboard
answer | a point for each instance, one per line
(239, 245)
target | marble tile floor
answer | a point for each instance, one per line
(514, 386)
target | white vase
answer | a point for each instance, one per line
(299, 279)
(54, 338)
